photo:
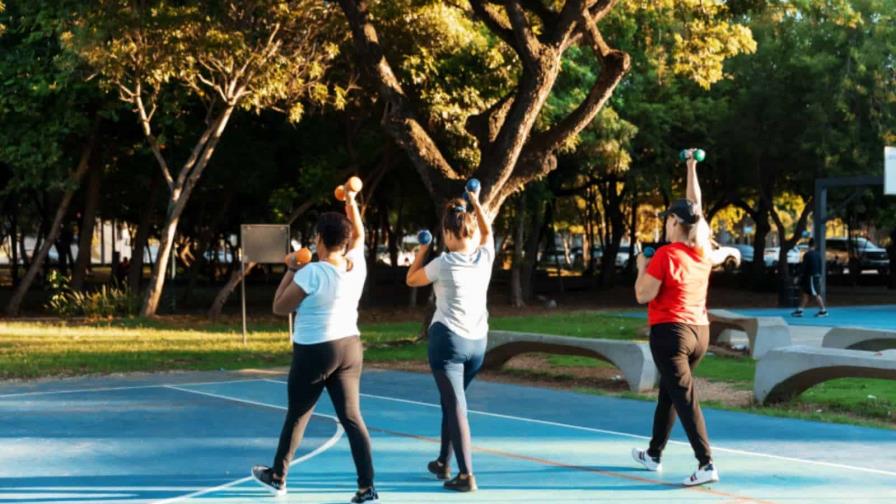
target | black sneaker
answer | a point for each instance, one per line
(368, 495)
(822, 313)
(264, 475)
(797, 313)
(459, 484)
(442, 471)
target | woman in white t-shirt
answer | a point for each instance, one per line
(457, 335)
(327, 350)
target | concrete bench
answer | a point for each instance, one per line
(631, 357)
(855, 338)
(764, 333)
(787, 372)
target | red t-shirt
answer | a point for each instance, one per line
(684, 273)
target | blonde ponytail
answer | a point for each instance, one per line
(699, 235)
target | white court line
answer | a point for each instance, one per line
(626, 434)
(317, 451)
(127, 387)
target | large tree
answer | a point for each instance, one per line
(49, 127)
(230, 55)
(514, 142)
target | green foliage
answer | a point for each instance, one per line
(258, 54)
(46, 107)
(104, 302)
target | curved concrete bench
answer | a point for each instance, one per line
(631, 357)
(787, 372)
(855, 338)
(764, 333)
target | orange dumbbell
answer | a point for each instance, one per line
(354, 184)
(302, 256)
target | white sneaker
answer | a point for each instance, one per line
(646, 460)
(702, 476)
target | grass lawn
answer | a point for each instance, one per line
(33, 350)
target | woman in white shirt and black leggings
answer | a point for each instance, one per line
(457, 335)
(327, 350)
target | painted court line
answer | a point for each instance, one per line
(491, 451)
(125, 387)
(626, 434)
(317, 451)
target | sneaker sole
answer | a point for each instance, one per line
(707, 482)
(277, 493)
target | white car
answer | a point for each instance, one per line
(728, 258)
(771, 254)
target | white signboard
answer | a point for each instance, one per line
(890, 170)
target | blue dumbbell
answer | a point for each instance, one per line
(648, 252)
(424, 237)
(473, 185)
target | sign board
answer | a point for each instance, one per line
(264, 243)
(890, 170)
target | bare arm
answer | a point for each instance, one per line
(693, 191)
(354, 216)
(485, 227)
(289, 295)
(416, 276)
(646, 286)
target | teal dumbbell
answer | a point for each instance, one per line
(698, 154)
(424, 237)
(648, 252)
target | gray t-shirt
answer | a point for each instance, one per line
(460, 282)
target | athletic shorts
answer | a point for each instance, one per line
(811, 285)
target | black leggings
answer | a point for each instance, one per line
(454, 361)
(335, 365)
(677, 349)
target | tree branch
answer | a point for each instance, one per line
(493, 22)
(615, 65)
(400, 118)
(528, 47)
(137, 100)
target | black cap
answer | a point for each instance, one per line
(684, 209)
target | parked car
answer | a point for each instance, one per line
(724, 256)
(772, 255)
(405, 257)
(622, 255)
(746, 251)
(865, 253)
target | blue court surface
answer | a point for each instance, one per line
(870, 317)
(192, 438)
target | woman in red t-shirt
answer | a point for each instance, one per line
(674, 283)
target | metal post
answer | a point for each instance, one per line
(243, 291)
(173, 271)
(819, 224)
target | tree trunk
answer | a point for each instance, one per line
(516, 281)
(14, 248)
(138, 249)
(15, 303)
(235, 278)
(180, 195)
(85, 230)
(762, 229)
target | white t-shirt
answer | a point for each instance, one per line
(460, 282)
(329, 310)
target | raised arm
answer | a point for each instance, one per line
(416, 276)
(354, 215)
(693, 191)
(703, 235)
(485, 227)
